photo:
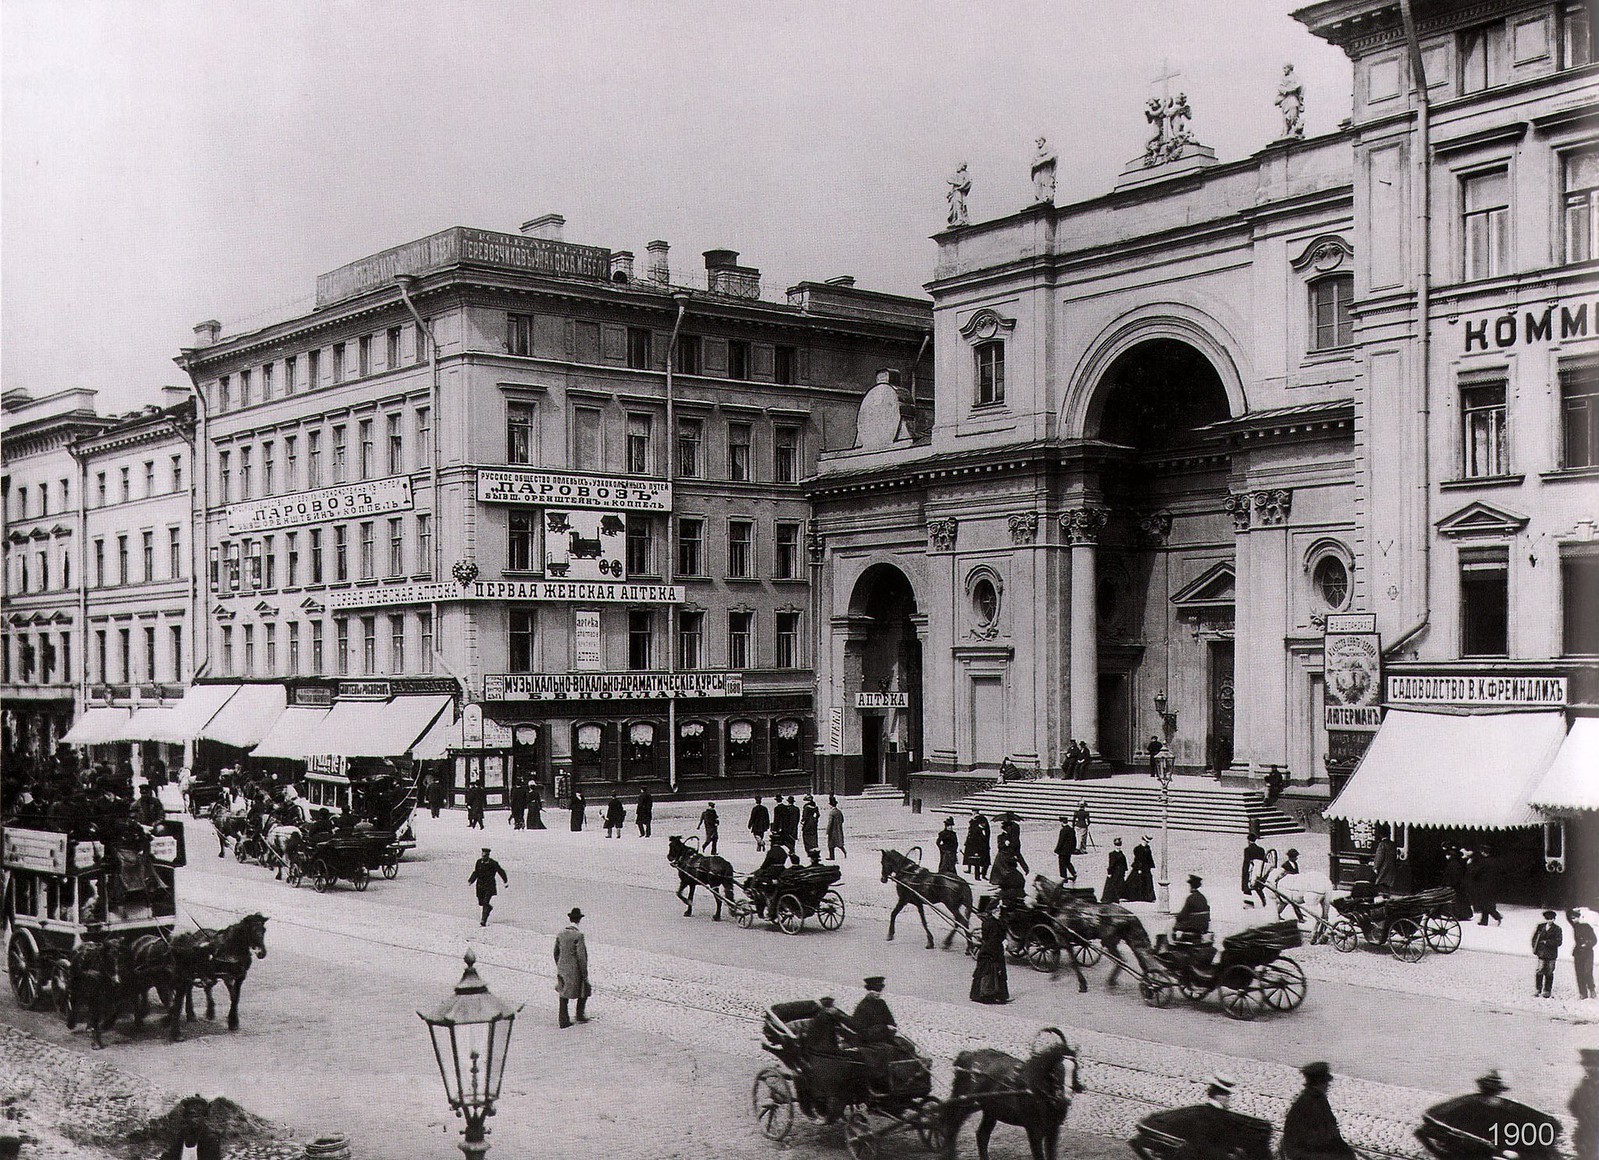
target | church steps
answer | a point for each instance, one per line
(1133, 802)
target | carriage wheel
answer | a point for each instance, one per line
(1282, 984)
(790, 914)
(1192, 988)
(772, 1099)
(1043, 950)
(391, 869)
(927, 1114)
(1406, 941)
(295, 874)
(241, 850)
(1158, 988)
(321, 877)
(744, 914)
(1344, 935)
(361, 878)
(858, 1135)
(830, 910)
(1239, 995)
(1442, 933)
(22, 960)
(1085, 954)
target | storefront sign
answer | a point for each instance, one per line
(1352, 662)
(835, 729)
(326, 765)
(314, 696)
(164, 849)
(347, 501)
(1478, 690)
(609, 686)
(544, 591)
(586, 654)
(365, 691)
(553, 489)
(584, 545)
(1525, 327)
(33, 850)
(882, 700)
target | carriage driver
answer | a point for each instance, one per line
(1193, 920)
(765, 879)
(876, 1033)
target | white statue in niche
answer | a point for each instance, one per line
(1291, 100)
(1043, 174)
(959, 186)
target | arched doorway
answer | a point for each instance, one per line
(1157, 403)
(885, 688)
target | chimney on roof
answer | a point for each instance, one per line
(551, 227)
(206, 333)
(660, 269)
(845, 280)
(723, 275)
(622, 265)
(174, 396)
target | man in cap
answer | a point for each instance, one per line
(1546, 940)
(487, 874)
(1582, 943)
(572, 969)
(1192, 923)
(876, 1033)
(1311, 1130)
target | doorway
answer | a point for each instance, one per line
(1219, 741)
(1115, 718)
(871, 749)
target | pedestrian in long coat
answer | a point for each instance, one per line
(486, 876)
(1310, 1131)
(1455, 879)
(810, 824)
(711, 824)
(476, 802)
(577, 806)
(1115, 874)
(1254, 857)
(1482, 874)
(1141, 881)
(615, 817)
(644, 813)
(835, 829)
(1010, 841)
(977, 849)
(1384, 863)
(1066, 850)
(790, 827)
(1584, 1105)
(517, 800)
(1582, 943)
(572, 970)
(760, 821)
(535, 806)
(990, 978)
(948, 843)
(1546, 940)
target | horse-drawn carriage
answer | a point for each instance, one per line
(1484, 1125)
(1177, 1132)
(352, 857)
(797, 893)
(1409, 925)
(203, 791)
(1251, 975)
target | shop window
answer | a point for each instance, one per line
(990, 360)
(588, 741)
(787, 733)
(1482, 409)
(641, 749)
(740, 746)
(1485, 603)
(691, 748)
(1579, 608)
(1579, 398)
(1331, 323)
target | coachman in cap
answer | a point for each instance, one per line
(1311, 1130)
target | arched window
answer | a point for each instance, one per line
(587, 744)
(691, 747)
(1331, 325)
(1330, 566)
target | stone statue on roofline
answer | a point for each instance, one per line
(1043, 174)
(1291, 100)
(959, 186)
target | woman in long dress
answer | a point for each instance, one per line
(1115, 874)
(977, 851)
(577, 805)
(990, 978)
(1141, 882)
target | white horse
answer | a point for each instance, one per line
(281, 841)
(1308, 891)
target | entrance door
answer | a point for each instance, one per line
(988, 720)
(1219, 743)
(871, 749)
(1115, 718)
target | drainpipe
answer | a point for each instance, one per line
(1421, 168)
(199, 545)
(81, 458)
(681, 298)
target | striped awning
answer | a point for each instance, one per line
(1572, 782)
(180, 723)
(1454, 771)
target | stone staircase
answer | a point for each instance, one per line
(1132, 801)
(885, 793)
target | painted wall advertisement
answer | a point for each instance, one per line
(557, 489)
(1352, 661)
(584, 545)
(347, 501)
(545, 591)
(586, 655)
(609, 686)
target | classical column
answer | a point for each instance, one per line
(1082, 527)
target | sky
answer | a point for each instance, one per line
(167, 161)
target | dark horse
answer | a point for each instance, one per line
(1034, 1094)
(918, 886)
(1110, 924)
(200, 958)
(229, 827)
(95, 985)
(696, 869)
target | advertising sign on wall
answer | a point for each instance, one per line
(1478, 689)
(347, 501)
(586, 655)
(1352, 662)
(584, 545)
(835, 729)
(548, 591)
(882, 700)
(549, 488)
(609, 686)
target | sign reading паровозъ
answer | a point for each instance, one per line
(346, 501)
(558, 489)
(609, 686)
(545, 591)
(1477, 690)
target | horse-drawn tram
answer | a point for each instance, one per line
(61, 890)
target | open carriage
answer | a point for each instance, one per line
(1178, 1132)
(872, 1092)
(1475, 1127)
(800, 892)
(1409, 925)
(352, 858)
(60, 888)
(1251, 975)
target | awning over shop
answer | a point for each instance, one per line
(1572, 782)
(97, 726)
(1452, 771)
(247, 716)
(151, 723)
(182, 722)
(378, 728)
(436, 743)
(293, 734)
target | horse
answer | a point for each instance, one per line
(226, 960)
(917, 886)
(282, 843)
(228, 826)
(1033, 1094)
(161, 962)
(95, 985)
(1306, 891)
(696, 869)
(1110, 924)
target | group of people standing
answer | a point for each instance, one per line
(786, 824)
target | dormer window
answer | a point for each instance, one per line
(990, 363)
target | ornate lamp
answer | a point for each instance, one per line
(471, 1032)
(1169, 719)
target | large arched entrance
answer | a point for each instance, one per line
(1163, 582)
(885, 682)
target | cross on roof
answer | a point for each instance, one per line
(1166, 75)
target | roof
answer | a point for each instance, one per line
(1454, 771)
(1572, 781)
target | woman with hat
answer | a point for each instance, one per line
(948, 842)
(1141, 882)
(1115, 874)
(990, 978)
(1311, 1130)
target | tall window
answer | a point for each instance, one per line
(341, 552)
(269, 559)
(520, 432)
(1579, 398)
(341, 454)
(147, 554)
(640, 545)
(424, 435)
(1485, 224)
(266, 381)
(291, 375)
(99, 563)
(690, 435)
(523, 630)
(1577, 28)
(338, 362)
(424, 624)
(269, 648)
(690, 544)
(313, 369)
(1330, 323)
(227, 648)
(122, 559)
(363, 349)
(639, 459)
(291, 542)
(396, 546)
(369, 645)
(269, 469)
(100, 488)
(788, 640)
(520, 554)
(1482, 409)
(785, 560)
(177, 473)
(424, 544)
(174, 553)
(738, 451)
(1485, 603)
(149, 479)
(990, 360)
(740, 548)
(313, 459)
(341, 645)
(519, 334)
(396, 642)
(368, 450)
(368, 550)
(175, 639)
(249, 650)
(318, 660)
(785, 454)
(690, 639)
(224, 393)
(1581, 182)
(100, 657)
(738, 359)
(740, 639)
(151, 668)
(419, 339)
(689, 348)
(396, 443)
(1482, 57)
(246, 473)
(316, 555)
(225, 475)
(785, 365)
(244, 388)
(1579, 583)
(392, 353)
(638, 348)
(587, 439)
(294, 648)
(640, 639)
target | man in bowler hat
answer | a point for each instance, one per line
(1311, 1130)
(572, 969)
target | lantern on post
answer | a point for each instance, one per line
(471, 1033)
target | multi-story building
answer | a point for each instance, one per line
(506, 465)
(43, 627)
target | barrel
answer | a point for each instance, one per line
(335, 1146)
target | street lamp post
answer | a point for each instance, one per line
(1163, 771)
(471, 1033)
